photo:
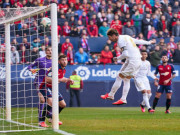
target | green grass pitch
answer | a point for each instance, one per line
(113, 121)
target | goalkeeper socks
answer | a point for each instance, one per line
(146, 100)
(155, 102)
(49, 111)
(43, 115)
(126, 88)
(168, 104)
(115, 86)
(40, 110)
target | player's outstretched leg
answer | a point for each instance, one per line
(114, 89)
(125, 92)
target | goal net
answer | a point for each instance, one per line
(24, 35)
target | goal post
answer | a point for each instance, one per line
(11, 16)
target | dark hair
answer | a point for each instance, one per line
(62, 56)
(111, 32)
(47, 47)
(144, 51)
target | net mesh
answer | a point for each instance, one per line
(29, 36)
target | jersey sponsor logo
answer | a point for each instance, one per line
(165, 74)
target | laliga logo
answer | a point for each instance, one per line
(83, 72)
(2, 72)
(26, 74)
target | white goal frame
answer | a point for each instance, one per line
(54, 43)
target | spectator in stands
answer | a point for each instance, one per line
(172, 44)
(84, 32)
(169, 53)
(42, 52)
(166, 33)
(24, 43)
(106, 55)
(116, 53)
(124, 7)
(95, 5)
(176, 55)
(6, 3)
(69, 14)
(66, 29)
(85, 5)
(94, 18)
(117, 26)
(61, 20)
(84, 19)
(155, 21)
(140, 36)
(155, 57)
(103, 30)
(63, 6)
(160, 34)
(137, 18)
(34, 28)
(103, 6)
(74, 32)
(24, 55)
(80, 27)
(35, 43)
(128, 19)
(129, 30)
(146, 25)
(47, 42)
(102, 19)
(14, 55)
(79, 11)
(151, 33)
(162, 24)
(34, 54)
(15, 43)
(93, 59)
(110, 45)
(116, 18)
(70, 55)
(176, 7)
(176, 29)
(92, 29)
(173, 20)
(91, 12)
(72, 22)
(65, 45)
(109, 15)
(162, 45)
(81, 57)
(84, 44)
(24, 31)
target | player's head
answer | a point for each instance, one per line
(48, 51)
(113, 35)
(144, 54)
(164, 59)
(63, 60)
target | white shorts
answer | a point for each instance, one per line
(131, 67)
(142, 83)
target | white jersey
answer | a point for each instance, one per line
(130, 50)
(145, 70)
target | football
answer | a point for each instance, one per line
(46, 22)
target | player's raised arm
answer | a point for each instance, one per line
(137, 41)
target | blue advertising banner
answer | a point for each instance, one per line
(87, 72)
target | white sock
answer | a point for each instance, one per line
(149, 96)
(126, 88)
(115, 86)
(146, 100)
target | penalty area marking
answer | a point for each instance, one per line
(63, 132)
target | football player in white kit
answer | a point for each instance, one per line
(142, 83)
(131, 53)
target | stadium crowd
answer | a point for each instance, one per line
(141, 19)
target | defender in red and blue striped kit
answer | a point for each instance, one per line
(167, 73)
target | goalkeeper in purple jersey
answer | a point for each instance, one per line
(42, 65)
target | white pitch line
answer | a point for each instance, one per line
(63, 132)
